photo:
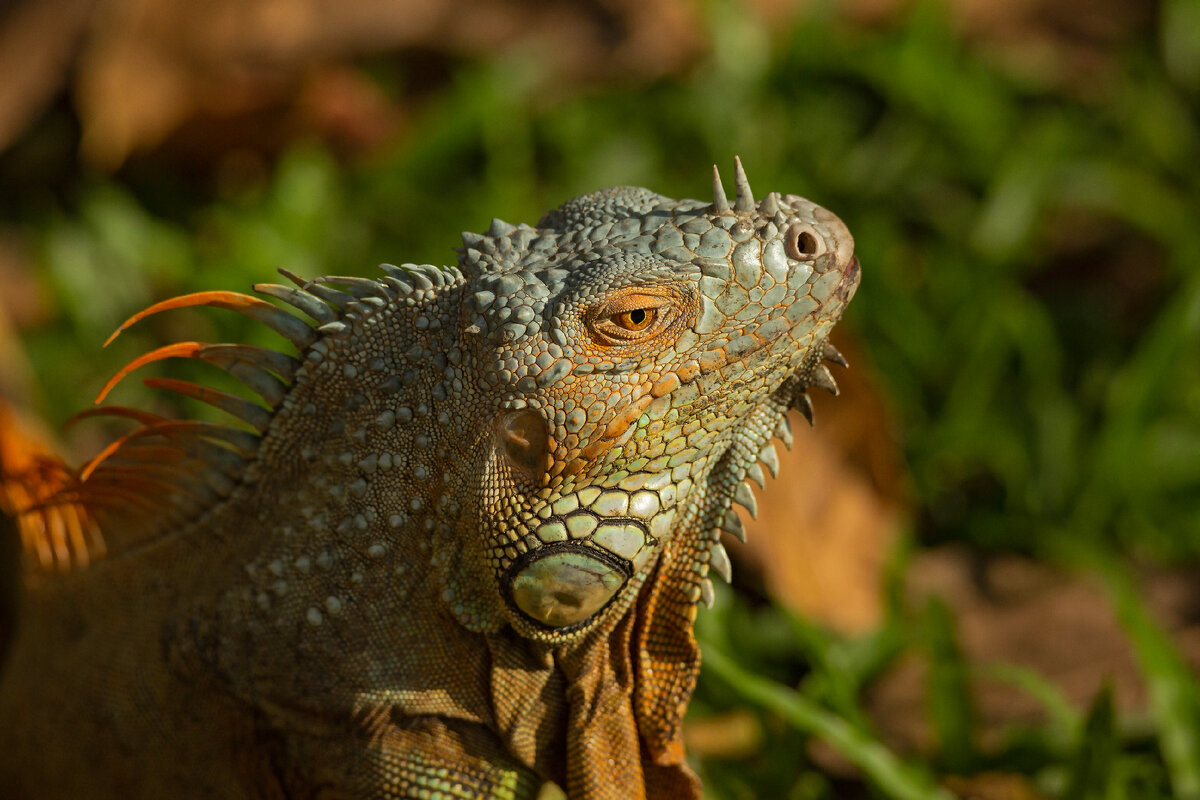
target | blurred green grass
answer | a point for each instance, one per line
(1030, 308)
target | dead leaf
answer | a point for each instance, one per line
(37, 46)
(993, 786)
(1013, 610)
(144, 69)
(731, 735)
(827, 526)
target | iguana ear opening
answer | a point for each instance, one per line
(522, 438)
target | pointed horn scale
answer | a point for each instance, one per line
(247, 363)
(770, 459)
(177, 350)
(745, 498)
(718, 562)
(803, 404)
(283, 323)
(125, 412)
(359, 288)
(745, 197)
(104, 454)
(252, 413)
(720, 201)
(240, 441)
(823, 378)
(754, 472)
(333, 297)
(732, 525)
(831, 354)
(783, 432)
(298, 298)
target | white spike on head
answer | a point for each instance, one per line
(745, 197)
(720, 201)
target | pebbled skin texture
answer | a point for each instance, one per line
(463, 554)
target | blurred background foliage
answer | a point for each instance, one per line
(1023, 181)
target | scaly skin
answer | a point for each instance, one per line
(465, 553)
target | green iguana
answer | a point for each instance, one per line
(461, 552)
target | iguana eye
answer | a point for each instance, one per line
(632, 318)
(635, 320)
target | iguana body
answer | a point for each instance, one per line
(462, 554)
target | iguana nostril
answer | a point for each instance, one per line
(801, 243)
(523, 439)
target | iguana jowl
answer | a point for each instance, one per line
(462, 552)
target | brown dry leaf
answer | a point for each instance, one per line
(733, 734)
(993, 786)
(37, 44)
(1012, 610)
(826, 527)
(145, 69)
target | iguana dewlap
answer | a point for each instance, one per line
(459, 551)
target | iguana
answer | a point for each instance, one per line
(461, 552)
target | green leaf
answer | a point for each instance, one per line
(950, 702)
(1173, 687)
(1092, 767)
(888, 773)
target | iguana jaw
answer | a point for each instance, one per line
(594, 540)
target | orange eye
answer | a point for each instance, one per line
(637, 319)
(633, 318)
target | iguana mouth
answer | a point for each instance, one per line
(849, 282)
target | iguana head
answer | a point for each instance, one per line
(641, 351)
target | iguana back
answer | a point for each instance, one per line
(460, 549)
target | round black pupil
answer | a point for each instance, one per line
(637, 317)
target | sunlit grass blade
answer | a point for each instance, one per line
(890, 775)
(949, 696)
(1063, 718)
(1092, 767)
(1173, 687)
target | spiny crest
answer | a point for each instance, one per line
(744, 196)
(165, 473)
(52, 533)
(617, 204)
(746, 465)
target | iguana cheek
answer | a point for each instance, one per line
(566, 585)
